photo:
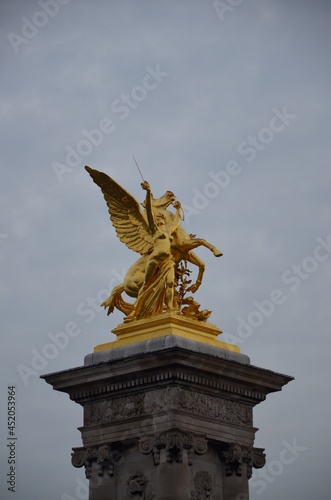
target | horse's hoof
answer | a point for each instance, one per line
(217, 253)
(128, 319)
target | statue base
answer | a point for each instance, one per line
(168, 418)
(164, 325)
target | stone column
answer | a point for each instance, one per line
(168, 419)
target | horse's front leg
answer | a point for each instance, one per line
(194, 242)
(204, 243)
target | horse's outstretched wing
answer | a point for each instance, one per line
(125, 213)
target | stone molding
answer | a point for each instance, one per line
(104, 456)
(174, 442)
(166, 399)
(235, 456)
(155, 379)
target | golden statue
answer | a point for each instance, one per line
(159, 279)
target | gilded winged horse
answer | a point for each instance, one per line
(145, 232)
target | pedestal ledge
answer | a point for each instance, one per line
(163, 344)
(164, 325)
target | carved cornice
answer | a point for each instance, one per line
(235, 456)
(104, 456)
(174, 443)
(166, 399)
(148, 381)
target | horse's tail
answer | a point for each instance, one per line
(116, 300)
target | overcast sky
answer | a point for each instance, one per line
(229, 107)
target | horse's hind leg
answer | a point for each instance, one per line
(134, 278)
(196, 261)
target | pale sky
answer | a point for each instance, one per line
(227, 104)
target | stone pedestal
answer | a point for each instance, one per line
(168, 418)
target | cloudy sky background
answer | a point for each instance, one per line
(223, 77)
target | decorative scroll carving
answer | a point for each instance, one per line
(174, 443)
(235, 455)
(160, 399)
(203, 483)
(136, 487)
(214, 407)
(114, 409)
(173, 398)
(104, 456)
(258, 461)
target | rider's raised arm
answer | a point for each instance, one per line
(148, 206)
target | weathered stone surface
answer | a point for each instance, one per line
(159, 344)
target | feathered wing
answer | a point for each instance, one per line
(125, 213)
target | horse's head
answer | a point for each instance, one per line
(167, 199)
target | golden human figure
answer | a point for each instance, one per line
(162, 243)
(159, 276)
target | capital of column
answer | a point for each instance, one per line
(174, 442)
(105, 456)
(235, 456)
